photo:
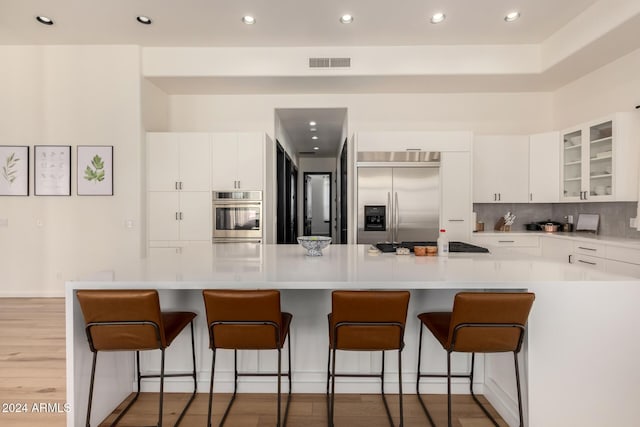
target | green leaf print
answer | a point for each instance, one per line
(95, 173)
(10, 168)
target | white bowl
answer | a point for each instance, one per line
(314, 244)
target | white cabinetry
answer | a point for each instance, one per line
(178, 161)
(556, 249)
(178, 184)
(521, 243)
(455, 176)
(237, 161)
(544, 167)
(501, 169)
(599, 161)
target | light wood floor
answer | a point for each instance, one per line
(32, 371)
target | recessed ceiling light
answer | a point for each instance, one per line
(346, 19)
(248, 19)
(44, 20)
(312, 123)
(143, 19)
(437, 18)
(512, 16)
(313, 129)
(316, 148)
(314, 137)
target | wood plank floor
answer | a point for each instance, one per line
(32, 371)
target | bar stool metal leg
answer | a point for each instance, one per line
(515, 359)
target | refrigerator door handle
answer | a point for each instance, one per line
(395, 216)
(389, 230)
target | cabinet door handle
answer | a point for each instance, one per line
(239, 186)
(177, 217)
(176, 185)
(181, 185)
(495, 197)
(180, 216)
(498, 196)
(531, 197)
(456, 220)
(587, 262)
(506, 241)
(570, 259)
(587, 249)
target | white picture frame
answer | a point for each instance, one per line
(52, 170)
(95, 170)
(14, 170)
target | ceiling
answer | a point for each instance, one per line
(283, 22)
(298, 23)
(329, 124)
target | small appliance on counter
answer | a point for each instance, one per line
(588, 222)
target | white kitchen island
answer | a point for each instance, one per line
(579, 361)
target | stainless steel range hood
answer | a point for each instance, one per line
(401, 158)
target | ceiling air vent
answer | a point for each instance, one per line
(305, 153)
(329, 62)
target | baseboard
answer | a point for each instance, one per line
(308, 382)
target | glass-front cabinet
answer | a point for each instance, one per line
(599, 161)
(572, 165)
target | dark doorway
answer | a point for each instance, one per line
(343, 194)
(286, 187)
(317, 204)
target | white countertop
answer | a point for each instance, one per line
(342, 266)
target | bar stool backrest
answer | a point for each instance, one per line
(489, 321)
(122, 319)
(245, 319)
(384, 311)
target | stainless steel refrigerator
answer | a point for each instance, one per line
(397, 204)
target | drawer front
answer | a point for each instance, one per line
(590, 249)
(623, 268)
(588, 261)
(509, 241)
(618, 253)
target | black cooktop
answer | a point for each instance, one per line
(453, 246)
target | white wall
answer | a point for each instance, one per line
(612, 88)
(155, 108)
(519, 113)
(70, 95)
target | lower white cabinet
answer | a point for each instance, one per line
(556, 249)
(588, 261)
(521, 243)
(178, 216)
(623, 268)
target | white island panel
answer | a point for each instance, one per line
(573, 309)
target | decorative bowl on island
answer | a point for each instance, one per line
(314, 244)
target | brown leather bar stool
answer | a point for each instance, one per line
(131, 320)
(366, 321)
(481, 322)
(247, 320)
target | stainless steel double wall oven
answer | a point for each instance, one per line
(237, 216)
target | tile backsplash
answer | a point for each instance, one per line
(614, 216)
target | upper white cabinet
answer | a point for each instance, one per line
(501, 169)
(599, 161)
(237, 161)
(455, 175)
(544, 167)
(178, 161)
(442, 141)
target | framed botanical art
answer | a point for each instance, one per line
(14, 170)
(52, 170)
(95, 170)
